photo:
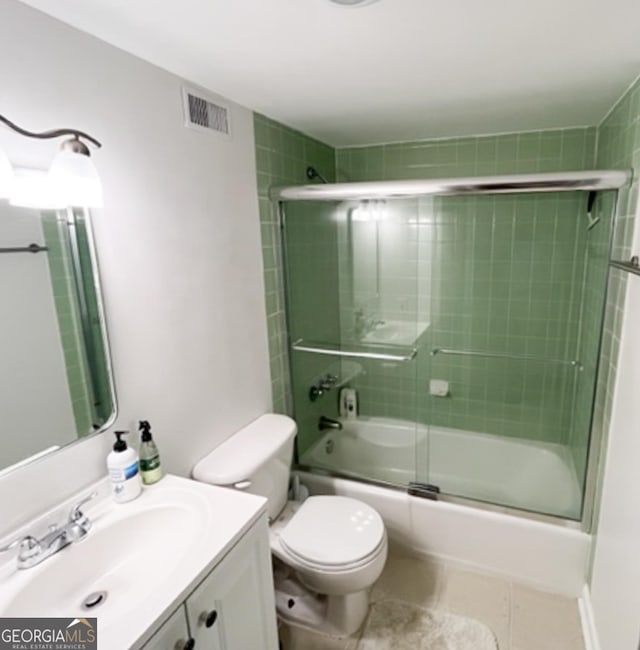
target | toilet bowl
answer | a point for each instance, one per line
(337, 548)
(328, 550)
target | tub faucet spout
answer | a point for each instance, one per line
(328, 423)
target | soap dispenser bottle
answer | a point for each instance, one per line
(124, 472)
(149, 456)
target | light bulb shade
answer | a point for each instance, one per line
(76, 180)
(33, 189)
(6, 176)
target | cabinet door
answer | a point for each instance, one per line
(233, 608)
(173, 635)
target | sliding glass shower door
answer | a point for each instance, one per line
(355, 318)
(450, 341)
(514, 330)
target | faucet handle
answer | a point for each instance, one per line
(76, 512)
(78, 520)
(29, 547)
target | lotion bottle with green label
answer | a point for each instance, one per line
(149, 456)
(124, 471)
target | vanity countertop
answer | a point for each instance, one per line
(147, 555)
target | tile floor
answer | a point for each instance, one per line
(521, 618)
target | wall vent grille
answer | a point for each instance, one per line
(203, 114)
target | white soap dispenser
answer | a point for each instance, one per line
(124, 471)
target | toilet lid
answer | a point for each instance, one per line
(333, 531)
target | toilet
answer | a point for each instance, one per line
(327, 550)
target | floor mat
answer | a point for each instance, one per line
(393, 625)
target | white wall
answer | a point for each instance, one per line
(178, 244)
(615, 584)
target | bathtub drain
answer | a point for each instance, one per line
(328, 447)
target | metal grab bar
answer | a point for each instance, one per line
(318, 348)
(497, 355)
(31, 248)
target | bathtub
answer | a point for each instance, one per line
(547, 553)
(523, 474)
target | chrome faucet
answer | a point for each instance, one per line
(327, 423)
(33, 551)
(323, 386)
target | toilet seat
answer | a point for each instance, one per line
(333, 534)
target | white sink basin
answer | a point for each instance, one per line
(396, 332)
(141, 555)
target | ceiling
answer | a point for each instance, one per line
(390, 71)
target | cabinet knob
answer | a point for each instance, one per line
(189, 644)
(208, 619)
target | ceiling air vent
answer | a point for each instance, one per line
(204, 114)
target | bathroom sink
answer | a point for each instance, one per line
(137, 560)
(107, 562)
(396, 332)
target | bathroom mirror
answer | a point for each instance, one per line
(55, 376)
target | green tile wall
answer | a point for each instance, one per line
(68, 321)
(94, 347)
(312, 250)
(505, 275)
(542, 323)
(537, 151)
(282, 157)
(618, 148)
(594, 278)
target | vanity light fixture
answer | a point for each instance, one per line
(72, 175)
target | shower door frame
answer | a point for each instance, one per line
(585, 181)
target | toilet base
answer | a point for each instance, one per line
(338, 616)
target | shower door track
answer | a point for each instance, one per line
(586, 181)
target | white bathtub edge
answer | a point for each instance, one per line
(587, 619)
(541, 555)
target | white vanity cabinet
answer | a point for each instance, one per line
(232, 608)
(173, 634)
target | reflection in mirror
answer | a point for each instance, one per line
(389, 249)
(55, 376)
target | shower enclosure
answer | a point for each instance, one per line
(444, 335)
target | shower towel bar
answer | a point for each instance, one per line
(497, 355)
(632, 266)
(319, 348)
(31, 248)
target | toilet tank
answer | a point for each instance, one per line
(255, 459)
